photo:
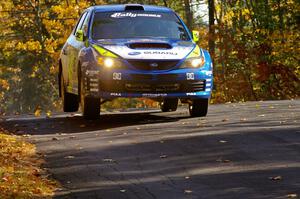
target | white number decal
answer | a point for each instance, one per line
(117, 76)
(190, 76)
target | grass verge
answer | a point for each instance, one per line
(20, 172)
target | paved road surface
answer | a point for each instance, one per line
(245, 150)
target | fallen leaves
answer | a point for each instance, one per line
(70, 157)
(163, 156)
(188, 191)
(223, 141)
(48, 114)
(223, 160)
(37, 112)
(109, 160)
(5, 179)
(292, 195)
(20, 175)
(275, 178)
(26, 135)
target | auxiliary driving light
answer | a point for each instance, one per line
(193, 62)
(197, 62)
(108, 62)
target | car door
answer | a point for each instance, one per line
(83, 27)
(74, 46)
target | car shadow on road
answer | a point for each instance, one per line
(75, 123)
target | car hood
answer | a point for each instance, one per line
(147, 48)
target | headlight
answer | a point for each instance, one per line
(109, 62)
(107, 59)
(193, 62)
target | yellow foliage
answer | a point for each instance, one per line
(31, 45)
(4, 84)
(37, 112)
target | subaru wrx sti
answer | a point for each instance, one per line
(135, 51)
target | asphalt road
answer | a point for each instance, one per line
(244, 150)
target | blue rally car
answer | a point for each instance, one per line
(133, 51)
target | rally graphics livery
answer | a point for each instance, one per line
(133, 51)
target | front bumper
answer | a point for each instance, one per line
(180, 83)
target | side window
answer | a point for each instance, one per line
(79, 24)
(85, 24)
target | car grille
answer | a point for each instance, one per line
(135, 87)
(160, 77)
(161, 87)
(153, 64)
(194, 86)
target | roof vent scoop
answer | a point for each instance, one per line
(134, 7)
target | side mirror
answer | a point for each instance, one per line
(79, 35)
(196, 35)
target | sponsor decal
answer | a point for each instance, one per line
(94, 89)
(91, 72)
(160, 53)
(130, 14)
(191, 94)
(208, 73)
(134, 53)
(154, 94)
(115, 94)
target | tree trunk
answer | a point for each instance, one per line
(211, 18)
(188, 14)
(165, 3)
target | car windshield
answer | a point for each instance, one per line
(137, 24)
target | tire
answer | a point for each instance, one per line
(198, 108)
(69, 101)
(169, 104)
(90, 106)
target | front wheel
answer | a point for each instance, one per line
(169, 104)
(90, 106)
(198, 107)
(69, 101)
